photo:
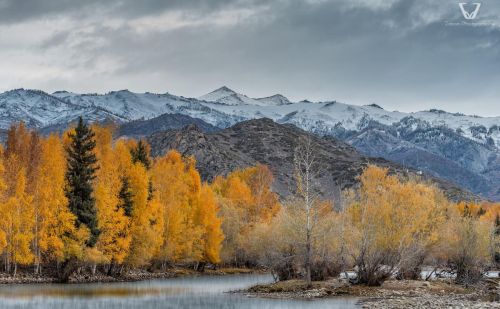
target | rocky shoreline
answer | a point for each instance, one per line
(129, 276)
(393, 294)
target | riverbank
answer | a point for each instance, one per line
(392, 294)
(128, 276)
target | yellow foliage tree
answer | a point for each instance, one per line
(192, 230)
(246, 200)
(393, 222)
(54, 222)
(146, 221)
(207, 218)
(17, 222)
(466, 243)
(114, 239)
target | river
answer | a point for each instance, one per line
(189, 292)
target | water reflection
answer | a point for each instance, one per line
(201, 292)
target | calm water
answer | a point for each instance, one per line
(203, 292)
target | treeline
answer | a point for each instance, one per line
(389, 226)
(84, 200)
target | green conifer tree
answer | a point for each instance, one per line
(125, 195)
(81, 162)
(141, 154)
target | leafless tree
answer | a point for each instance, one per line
(306, 172)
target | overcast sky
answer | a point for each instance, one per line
(405, 55)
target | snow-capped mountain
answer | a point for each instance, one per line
(226, 96)
(445, 144)
(276, 99)
(39, 109)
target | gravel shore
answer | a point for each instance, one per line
(393, 294)
(416, 294)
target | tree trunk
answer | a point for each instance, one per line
(200, 266)
(68, 267)
(308, 259)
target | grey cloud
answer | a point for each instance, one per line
(404, 56)
(17, 11)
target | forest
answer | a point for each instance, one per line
(83, 200)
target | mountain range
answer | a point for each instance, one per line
(459, 148)
(264, 141)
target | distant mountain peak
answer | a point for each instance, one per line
(224, 88)
(375, 106)
(276, 99)
(219, 95)
(221, 91)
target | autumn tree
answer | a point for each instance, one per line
(394, 225)
(17, 222)
(54, 222)
(22, 157)
(246, 200)
(466, 243)
(81, 167)
(192, 227)
(206, 217)
(147, 219)
(114, 161)
(305, 234)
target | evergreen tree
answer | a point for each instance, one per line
(81, 170)
(151, 190)
(125, 195)
(141, 154)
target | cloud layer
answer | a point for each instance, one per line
(405, 55)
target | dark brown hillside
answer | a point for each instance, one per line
(264, 141)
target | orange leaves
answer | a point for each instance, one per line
(192, 226)
(395, 214)
(207, 218)
(17, 222)
(54, 220)
(113, 161)
(246, 201)
(250, 190)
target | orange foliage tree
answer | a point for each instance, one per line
(246, 200)
(192, 230)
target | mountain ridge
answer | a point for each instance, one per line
(466, 145)
(264, 141)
